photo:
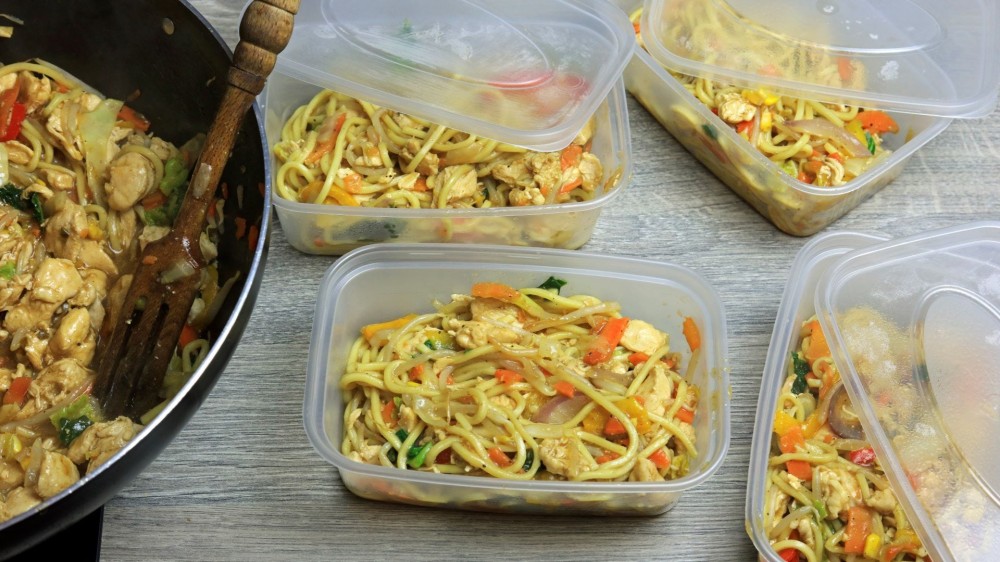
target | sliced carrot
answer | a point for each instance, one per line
(498, 457)
(17, 391)
(328, 139)
(149, 260)
(607, 457)
(859, 525)
(416, 373)
(877, 121)
(685, 415)
(604, 344)
(370, 330)
(241, 227)
(614, 427)
(353, 183)
(420, 184)
(491, 290)
(789, 555)
(153, 200)
(565, 388)
(571, 185)
(800, 469)
(253, 237)
(691, 333)
(135, 119)
(388, 412)
(188, 335)
(792, 440)
(341, 197)
(570, 156)
(635, 26)
(660, 458)
(508, 377)
(845, 69)
(637, 358)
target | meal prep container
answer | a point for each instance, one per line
(464, 64)
(941, 290)
(928, 62)
(384, 281)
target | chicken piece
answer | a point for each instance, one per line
(70, 142)
(35, 91)
(804, 526)
(776, 508)
(547, 170)
(34, 346)
(64, 233)
(514, 173)
(57, 473)
(474, 333)
(370, 156)
(561, 456)
(526, 196)
(74, 338)
(7, 81)
(643, 337)
(56, 280)
(657, 391)
(18, 152)
(840, 489)
(101, 441)
(162, 149)
(504, 401)
(591, 171)
(367, 454)
(11, 476)
(644, 471)
(734, 108)
(131, 177)
(19, 500)
(882, 501)
(496, 311)
(128, 228)
(94, 288)
(59, 180)
(54, 385)
(209, 251)
(459, 182)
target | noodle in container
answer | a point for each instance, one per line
(385, 281)
(521, 75)
(911, 327)
(920, 62)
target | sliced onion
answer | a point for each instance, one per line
(561, 409)
(34, 465)
(611, 381)
(843, 421)
(4, 164)
(177, 270)
(824, 128)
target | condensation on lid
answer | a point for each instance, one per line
(525, 72)
(916, 323)
(914, 56)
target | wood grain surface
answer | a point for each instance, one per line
(241, 481)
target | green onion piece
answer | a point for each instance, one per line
(416, 457)
(553, 284)
(8, 270)
(801, 368)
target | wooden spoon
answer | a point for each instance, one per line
(140, 340)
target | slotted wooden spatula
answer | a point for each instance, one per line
(139, 341)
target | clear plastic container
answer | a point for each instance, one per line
(913, 328)
(388, 280)
(525, 72)
(795, 207)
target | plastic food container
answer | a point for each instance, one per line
(919, 370)
(926, 62)
(468, 65)
(388, 280)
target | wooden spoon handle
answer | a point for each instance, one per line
(264, 32)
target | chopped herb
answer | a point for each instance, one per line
(8, 270)
(553, 284)
(71, 429)
(416, 457)
(801, 368)
(529, 459)
(402, 434)
(36, 208)
(871, 142)
(710, 131)
(13, 196)
(10, 195)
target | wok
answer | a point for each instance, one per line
(170, 64)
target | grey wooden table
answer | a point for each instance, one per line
(241, 481)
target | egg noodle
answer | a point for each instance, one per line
(339, 150)
(822, 144)
(83, 187)
(827, 498)
(521, 384)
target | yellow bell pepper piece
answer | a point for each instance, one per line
(637, 412)
(783, 423)
(873, 542)
(854, 127)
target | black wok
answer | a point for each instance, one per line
(167, 55)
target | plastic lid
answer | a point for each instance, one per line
(915, 56)
(524, 72)
(916, 323)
